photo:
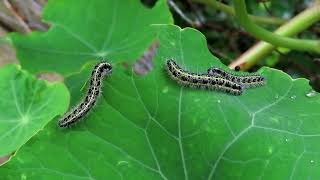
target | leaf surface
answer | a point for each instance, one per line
(27, 105)
(85, 30)
(149, 127)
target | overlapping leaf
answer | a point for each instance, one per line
(148, 127)
(85, 30)
(27, 105)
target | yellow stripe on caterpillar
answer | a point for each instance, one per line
(202, 81)
(99, 72)
(248, 80)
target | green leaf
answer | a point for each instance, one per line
(85, 30)
(149, 127)
(27, 105)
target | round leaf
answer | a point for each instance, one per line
(149, 127)
(27, 105)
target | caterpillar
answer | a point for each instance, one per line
(99, 72)
(202, 81)
(248, 80)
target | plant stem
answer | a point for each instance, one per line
(274, 39)
(230, 11)
(297, 24)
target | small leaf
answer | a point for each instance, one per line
(85, 30)
(149, 127)
(27, 105)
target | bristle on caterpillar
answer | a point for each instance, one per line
(99, 72)
(202, 81)
(248, 80)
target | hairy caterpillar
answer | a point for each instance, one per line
(202, 81)
(247, 80)
(99, 72)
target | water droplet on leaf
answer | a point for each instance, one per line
(122, 163)
(165, 90)
(311, 93)
(23, 176)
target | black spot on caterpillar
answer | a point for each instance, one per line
(202, 81)
(248, 80)
(99, 72)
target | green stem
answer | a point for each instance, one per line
(272, 38)
(296, 25)
(230, 11)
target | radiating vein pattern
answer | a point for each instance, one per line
(26, 104)
(148, 127)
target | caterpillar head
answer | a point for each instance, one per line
(104, 68)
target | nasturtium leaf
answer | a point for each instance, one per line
(27, 105)
(149, 127)
(83, 30)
